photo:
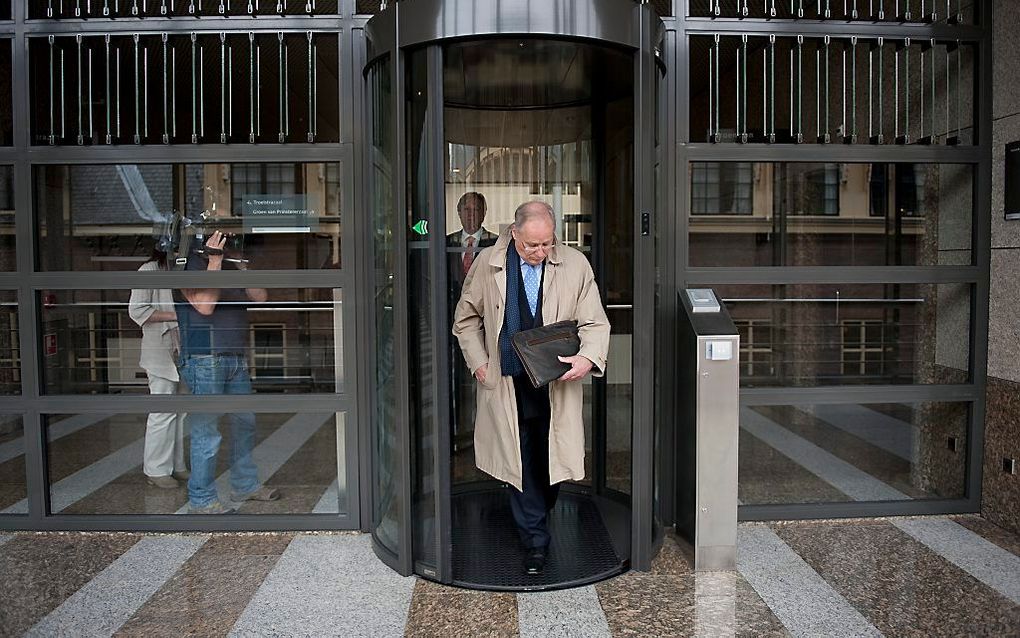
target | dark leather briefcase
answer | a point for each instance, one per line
(539, 348)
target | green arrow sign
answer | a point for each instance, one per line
(421, 227)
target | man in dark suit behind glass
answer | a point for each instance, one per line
(462, 246)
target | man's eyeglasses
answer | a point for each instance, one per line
(534, 248)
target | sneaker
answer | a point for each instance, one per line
(181, 475)
(263, 493)
(165, 482)
(215, 507)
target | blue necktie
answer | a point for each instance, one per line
(531, 287)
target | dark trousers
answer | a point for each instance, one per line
(531, 507)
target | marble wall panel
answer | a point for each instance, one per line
(1001, 491)
(1004, 320)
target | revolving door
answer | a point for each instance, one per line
(472, 112)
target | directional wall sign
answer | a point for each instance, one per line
(280, 213)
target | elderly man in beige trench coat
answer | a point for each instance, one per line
(530, 438)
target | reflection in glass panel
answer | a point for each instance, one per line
(852, 452)
(10, 345)
(801, 214)
(102, 463)
(13, 489)
(6, 90)
(8, 254)
(112, 217)
(252, 340)
(387, 466)
(825, 334)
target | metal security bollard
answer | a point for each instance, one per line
(707, 430)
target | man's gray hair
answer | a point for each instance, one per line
(533, 209)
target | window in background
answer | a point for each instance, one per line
(853, 334)
(721, 188)
(813, 214)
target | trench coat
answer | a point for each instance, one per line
(569, 292)
(159, 340)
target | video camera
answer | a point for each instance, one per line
(180, 236)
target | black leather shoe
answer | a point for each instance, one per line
(534, 561)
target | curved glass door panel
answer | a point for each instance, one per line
(534, 119)
(528, 119)
(385, 438)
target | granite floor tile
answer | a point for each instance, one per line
(566, 613)
(207, 595)
(644, 604)
(103, 604)
(797, 594)
(328, 585)
(982, 559)
(441, 611)
(988, 530)
(674, 558)
(899, 584)
(41, 571)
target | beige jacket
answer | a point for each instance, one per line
(569, 292)
(160, 340)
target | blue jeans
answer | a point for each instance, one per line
(221, 374)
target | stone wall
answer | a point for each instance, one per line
(1001, 492)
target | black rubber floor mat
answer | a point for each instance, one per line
(487, 553)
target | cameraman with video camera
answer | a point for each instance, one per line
(214, 343)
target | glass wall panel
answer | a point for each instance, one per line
(369, 7)
(852, 452)
(6, 87)
(189, 8)
(8, 254)
(112, 217)
(10, 344)
(185, 88)
(254, 340)
(815, 89)
(799, 214)
(100, 463)
(386, 449)
(13, 489)
(854, 334)
(898, 11)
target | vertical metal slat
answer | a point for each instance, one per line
(53, 132)
(138, 101)
(166, 92)
(223, 85)
(251, 85)
(109, 134)
(80, 91)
